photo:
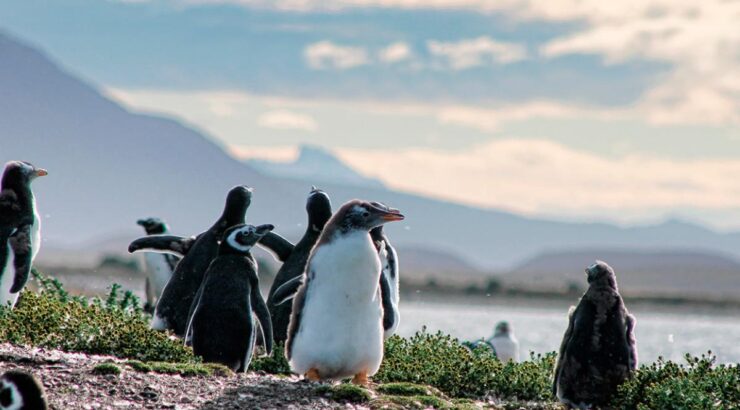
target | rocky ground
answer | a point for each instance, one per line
(79, 381)
(72, 383)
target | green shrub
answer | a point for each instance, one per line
(345, 392)
(275, 364)
(442, 361)
(112, 326)
(697, 385)
(106, 368)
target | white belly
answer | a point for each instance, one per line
(6, 282)
(506, 348)
(159, 272)
(35, 234)
(341, 332)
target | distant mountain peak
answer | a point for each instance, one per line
(315, 164)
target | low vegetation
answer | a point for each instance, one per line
(426, 370)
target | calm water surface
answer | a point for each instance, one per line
(540, 329)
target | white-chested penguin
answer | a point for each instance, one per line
(159, 266)
(173, 308)
(318, 207)
(504, 343)
(336, 328)
(21, 391)
(598, 352)
(222, 328)
(389, 278)
(20, 228)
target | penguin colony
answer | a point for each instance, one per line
(334, 300)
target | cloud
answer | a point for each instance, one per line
(287, 120)
(542, 177)
(492, 119)
(327, 55)
(474, 52)
(700, 41)
(395, 53)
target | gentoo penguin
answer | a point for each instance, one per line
(318, 207)
(159, 266)
(21, 391)
(504, 343)
(389, 278)
(598, 352)
(20, 228)
(222, 328)
(173, 307)
(336, 328)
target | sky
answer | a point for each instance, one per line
(579, 110)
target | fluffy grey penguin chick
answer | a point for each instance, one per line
(598, 351)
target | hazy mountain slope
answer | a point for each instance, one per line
(666, 272)
(109, 167)
(316, 165)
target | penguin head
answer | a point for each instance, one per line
(377, 232)
(502, 329)
(601, 274)
(153, 226)
(241, 238)
(318, 207)
(364, 215)
(237, 202)
(20, 390)
(21, 173)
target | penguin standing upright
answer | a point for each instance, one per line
(21, 391)
(318, 207)
(159, 265)
(598, 352)
(336, 326)
(20, 228)
(504, 343)
(389, 278)
(174, 304)
(222, 328)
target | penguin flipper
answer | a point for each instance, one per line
(176, 245)
(281, 247)
(20, 244)
(387, 302)
(563, 345)
(188, 338)
(259, 307)
(287, 290)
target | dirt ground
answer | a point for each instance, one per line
(70, 383)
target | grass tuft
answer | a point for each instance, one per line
(106, 368)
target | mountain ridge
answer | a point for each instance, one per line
(110, 166)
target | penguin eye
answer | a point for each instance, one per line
(365, 214)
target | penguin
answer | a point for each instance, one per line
(222, 328)
(318, 207)
(389, 278)
(504, 343)
(159, 266)
(336, 328)
(173, 308)
(20, 228)
(21, 391)
(598, 351)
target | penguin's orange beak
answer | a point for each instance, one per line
(42, 172)
(392, 216)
